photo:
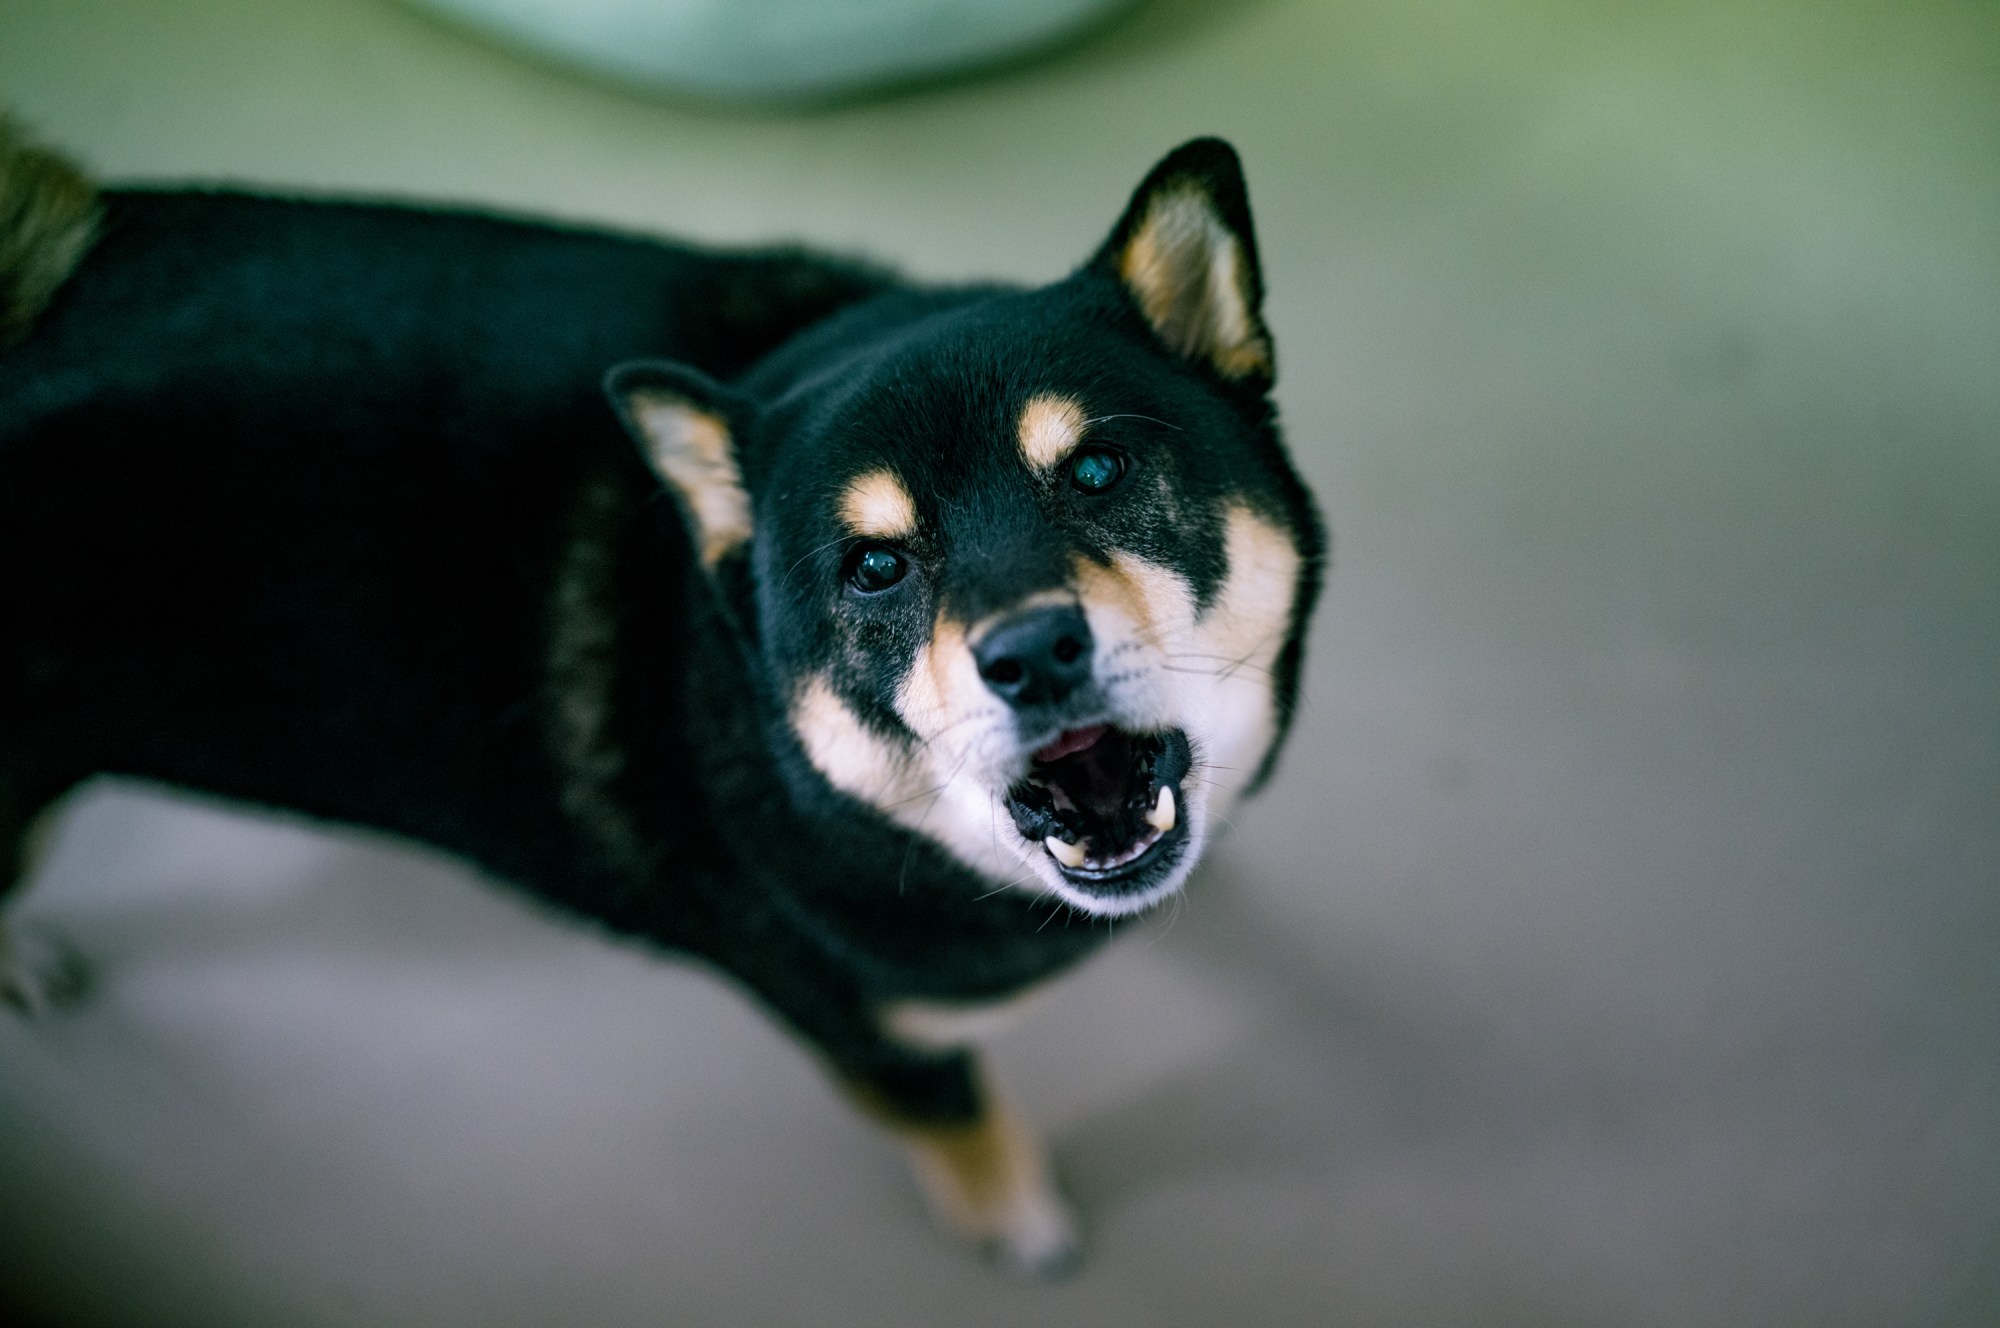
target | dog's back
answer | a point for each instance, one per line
(285, 489)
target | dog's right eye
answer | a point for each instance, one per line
(875, 568)
(1095, 469)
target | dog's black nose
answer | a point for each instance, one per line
(1036, 657)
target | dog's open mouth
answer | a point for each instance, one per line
(1106, 805)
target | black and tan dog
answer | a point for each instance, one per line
(971, 608)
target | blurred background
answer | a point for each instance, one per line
(1620, 942)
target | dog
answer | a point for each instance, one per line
(919, 618)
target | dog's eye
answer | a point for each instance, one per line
(876, 568)
(1095, 469)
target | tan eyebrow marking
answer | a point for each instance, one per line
(876, 504)
(1051, 426)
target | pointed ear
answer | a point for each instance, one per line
(684, 423)
(1185, 251)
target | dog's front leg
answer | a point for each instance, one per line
(909, 1065)
(979, 1162)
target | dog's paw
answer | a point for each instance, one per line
(39, 970)
(989, 1182)
(1041, 1239)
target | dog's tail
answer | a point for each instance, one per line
(48, 217)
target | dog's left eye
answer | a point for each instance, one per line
(875, 568)
(1095, 469)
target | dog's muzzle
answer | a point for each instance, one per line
(1104, 802)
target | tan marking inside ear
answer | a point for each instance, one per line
(691, 449)
(877, 506)
(1186, 270)
(49, 218)
(988, 1179)
(1050, 428)
(854, 758)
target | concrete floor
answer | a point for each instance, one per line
(1618, 946)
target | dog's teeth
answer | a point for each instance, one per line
(1068, 854)
(1161, 818)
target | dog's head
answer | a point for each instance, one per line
(1027, 572)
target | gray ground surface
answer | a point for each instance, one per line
(1618, 945)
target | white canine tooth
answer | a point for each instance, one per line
(1068, 854)
(1162, 817)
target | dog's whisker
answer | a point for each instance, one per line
(910, 849)
(1014, 883)
(1129, 415)
(811, 554)
(1173, 917)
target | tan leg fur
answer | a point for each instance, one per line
(989, 1181)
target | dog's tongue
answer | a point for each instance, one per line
(1071, 742)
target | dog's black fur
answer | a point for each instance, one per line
(320, 506)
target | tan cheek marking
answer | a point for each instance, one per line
(1185, 269)
(1155, 602)
(1050, 429)
(854, 758)
(1237, 641)
(900, 779)
(936, 688)
(692, 449)
(877, 506)
(1250, 615)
